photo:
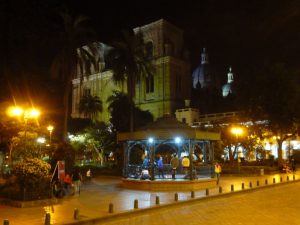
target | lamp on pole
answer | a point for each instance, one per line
(24, 115)
(50, 129)
(237, 131)
(152, 155)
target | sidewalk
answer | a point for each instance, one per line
(95, 197)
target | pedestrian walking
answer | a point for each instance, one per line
(76, 177)
(218, 170)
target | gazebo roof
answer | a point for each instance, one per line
(168, 127)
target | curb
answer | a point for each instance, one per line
(123, 214)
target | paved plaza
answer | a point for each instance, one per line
(269, 203)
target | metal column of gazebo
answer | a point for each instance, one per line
(167, 137)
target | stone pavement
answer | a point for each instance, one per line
(93, 202)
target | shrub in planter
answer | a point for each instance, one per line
(32, 179)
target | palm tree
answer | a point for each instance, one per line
(119, 104)
(129, 62)
(70, 53)
(90, 106)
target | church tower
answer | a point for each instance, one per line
(160, 94)
(228, 87)
(170, 85)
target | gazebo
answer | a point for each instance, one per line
(165, 139)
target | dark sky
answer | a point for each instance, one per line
(234, 31)
(240, 33)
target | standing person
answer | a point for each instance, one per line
(146, 163)
(293, 164)
(218, 170)
(67, 184)
(160, 166)
(174, 164)
(186, 165)
(76, 177)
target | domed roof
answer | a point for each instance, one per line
(226, 89)
(202, 74)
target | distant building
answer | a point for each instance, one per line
(228, 87)
(188, 114)
(202, 75)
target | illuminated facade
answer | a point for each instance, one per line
(161, 94)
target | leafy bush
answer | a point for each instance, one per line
(30, 181)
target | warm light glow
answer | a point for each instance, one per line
(33, 113)
(26, 113)
(14, 111)
(50, 128)
(41, 140)
(237, 131)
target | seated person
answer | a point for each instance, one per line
(145, 174)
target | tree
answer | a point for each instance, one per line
(119, 106)
(129, 62)
(70, 53)
(274, 97)
(90, 106)
(94, 142)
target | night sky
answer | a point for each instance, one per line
(238, 33)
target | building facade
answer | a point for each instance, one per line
(160, 94)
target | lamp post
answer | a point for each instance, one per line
(24, 115)
(237, 131)
(152, 155)
(50, 129)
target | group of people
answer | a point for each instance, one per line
(159, 164)
(174, 163)
(70, 184)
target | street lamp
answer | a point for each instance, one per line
(237, 131)
(152, 155)
(50, 129)
(23, 114)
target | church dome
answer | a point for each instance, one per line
(226, 90)
(202, 74)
